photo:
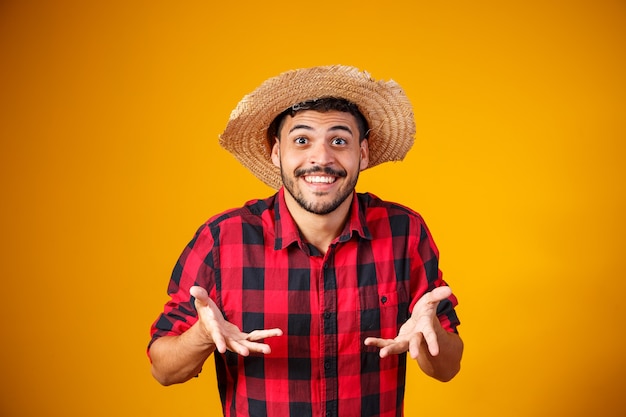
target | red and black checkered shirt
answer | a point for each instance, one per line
(262, 275)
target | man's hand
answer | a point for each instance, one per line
(225, 335)
(423, 325)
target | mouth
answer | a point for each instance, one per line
(319, 179)
(320, 176)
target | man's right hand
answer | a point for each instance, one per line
(225, 335)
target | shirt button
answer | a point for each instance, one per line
(326, 365)
(327, 315)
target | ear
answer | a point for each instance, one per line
(365, 154)
(276, 153)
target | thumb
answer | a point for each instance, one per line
(205, 308)
(201, 295)
(440, 293)
(431, 299)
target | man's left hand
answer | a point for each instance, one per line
(423, 325)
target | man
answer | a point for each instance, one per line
(310, 299)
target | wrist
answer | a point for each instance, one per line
(199, 338)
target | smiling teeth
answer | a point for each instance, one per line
(319, 179)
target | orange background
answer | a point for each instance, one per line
(109, 162)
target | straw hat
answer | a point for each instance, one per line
(383, 103)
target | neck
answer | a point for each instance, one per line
(319, 230)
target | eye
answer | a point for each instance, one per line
(339, 141)
(300, 140)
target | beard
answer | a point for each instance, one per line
(319, 208)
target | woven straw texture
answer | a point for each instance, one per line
(383, 103)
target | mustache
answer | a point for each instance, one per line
(320, 170)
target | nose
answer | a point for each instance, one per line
(321, 154)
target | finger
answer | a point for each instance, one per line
(440, 293)
(384, 352)
(257, 335)
(388, 346)
(253, 337)
(200, 294)
(219, 341)
(245, 346)
(414, 345)
(257, 347)
(431, 341)
(430, 300)
(395, 348)
(239, 348)
(377, 342)
(210, 320)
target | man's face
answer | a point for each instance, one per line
(320, 157)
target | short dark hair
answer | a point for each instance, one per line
(324, 104)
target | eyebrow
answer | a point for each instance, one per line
(307, 127)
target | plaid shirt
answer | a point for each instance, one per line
(262, 275)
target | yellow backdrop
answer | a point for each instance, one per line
(109, 121)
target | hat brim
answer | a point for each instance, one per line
(384, 105)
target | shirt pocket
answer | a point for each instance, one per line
(381, 314)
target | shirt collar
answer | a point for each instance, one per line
(287, 233)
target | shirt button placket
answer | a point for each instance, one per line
(330, 334)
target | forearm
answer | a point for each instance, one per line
(447, 363)
(177, 359)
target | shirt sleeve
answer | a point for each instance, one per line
(426, 276)
(194, 267)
